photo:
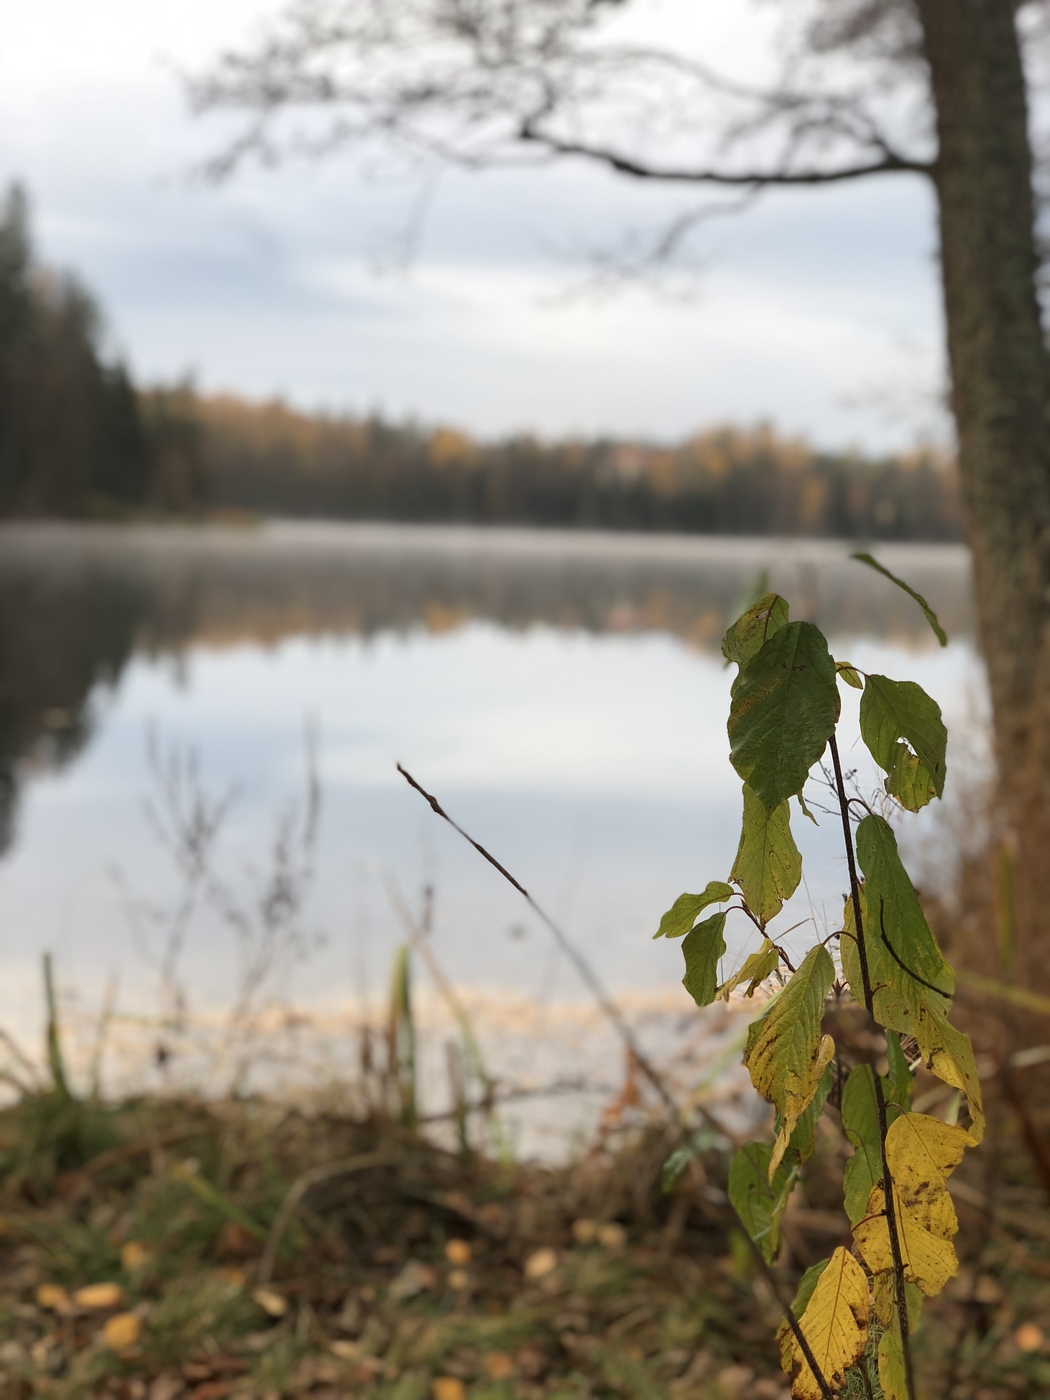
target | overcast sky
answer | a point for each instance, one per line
(816, 311)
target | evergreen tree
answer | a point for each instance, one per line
(72, 438)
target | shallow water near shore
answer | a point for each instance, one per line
(563, 694)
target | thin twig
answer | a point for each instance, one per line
(789, 1315)
(900, 961)
(586, 972)
(880, 1100)
(298, 1189)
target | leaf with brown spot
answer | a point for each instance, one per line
(835, 1324)
(786, 1055)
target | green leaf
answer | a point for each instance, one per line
(902, 1003)
(931, 616)
(893, 1378)
(899, 1081)
(860, 1123)
(748, 633)
(849, 674)
(759, 1194)
(786, 1055)
(681, 916)
(784, 708)
(702, 948)
(755, 969)
(804, 1136)
(805, 810)
(768, 866)
(894, 924)
(892, 711)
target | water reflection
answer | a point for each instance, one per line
(77, 602)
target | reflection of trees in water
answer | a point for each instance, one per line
(77, 602)
(61, 634)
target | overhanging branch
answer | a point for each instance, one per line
(888, 164)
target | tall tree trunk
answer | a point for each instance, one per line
(1000, 373)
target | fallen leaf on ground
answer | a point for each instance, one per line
(458, 1252)
(122, 1331)
(134, 1256)
(97, 1297)
(449, 1388)
(54, 1297)
(414, 1278)
(541, 1263)
(499, 1366)
(273, 1304)
(1028, 1337)
(346, 1351)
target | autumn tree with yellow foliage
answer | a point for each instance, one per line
(858, 1308)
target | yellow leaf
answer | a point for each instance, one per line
(929, 1260)
(540, 1263)
(499, 1366)
(99, 1296)
(835, 1324)
(612, 1235)
(449, 1388)
(54, 1297)
(273, 1304)
(122, 1331)
(458, 1252)
(134, 1256)
(921, 1153)
(892, 1376)
(884, 1300)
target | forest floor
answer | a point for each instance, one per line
(244, 1249)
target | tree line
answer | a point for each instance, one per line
(271, 459)
(79, 439)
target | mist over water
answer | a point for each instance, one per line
(563, 694)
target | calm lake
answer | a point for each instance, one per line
(563, 694)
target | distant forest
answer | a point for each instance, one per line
(79, 439)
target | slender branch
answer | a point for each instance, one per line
(880, 1099)
(900, 961)
(582, 966)
(789, 1315)
(623, 164)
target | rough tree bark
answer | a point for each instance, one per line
(1000, 373)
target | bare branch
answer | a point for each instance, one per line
(696, 175)
(485, 82)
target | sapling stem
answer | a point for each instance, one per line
(900, 1292)
(789, 1316)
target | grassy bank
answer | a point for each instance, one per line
(160, 1249)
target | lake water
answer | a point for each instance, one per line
(563, 694)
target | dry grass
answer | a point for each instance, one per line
(413, 1272)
